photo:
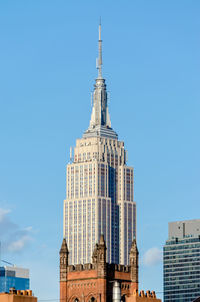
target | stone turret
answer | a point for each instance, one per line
(94, 255)
(101, 257)
(64, 253)
(133, 258)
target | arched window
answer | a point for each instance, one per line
(92, 300)
(76, 300)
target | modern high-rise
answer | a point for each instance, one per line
(14, 277)
(99, 187)
(181, 260)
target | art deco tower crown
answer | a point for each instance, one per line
(100, 123)
(99, 192)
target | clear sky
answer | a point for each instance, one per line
(151, 62)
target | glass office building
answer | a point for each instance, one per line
(181, 261)
(11, 276)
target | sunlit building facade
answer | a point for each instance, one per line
(99, 187)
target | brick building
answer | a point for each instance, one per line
(100, 281)
(17, 296)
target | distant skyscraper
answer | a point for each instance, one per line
(99, 192)
(12, 276)
(182, 262)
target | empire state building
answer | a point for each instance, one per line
(99, 187)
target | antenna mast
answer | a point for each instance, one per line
(99, 66)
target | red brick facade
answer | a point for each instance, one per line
(94, 281)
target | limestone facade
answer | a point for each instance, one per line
(99, 187)
(100, 199)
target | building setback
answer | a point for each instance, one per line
(181, 260)
(99, 188)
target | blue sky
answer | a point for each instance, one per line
(151, 63)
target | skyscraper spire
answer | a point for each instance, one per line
(99, 66)
(100, 124)
(99, 193)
